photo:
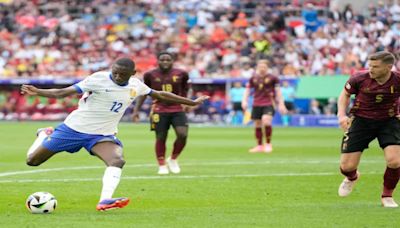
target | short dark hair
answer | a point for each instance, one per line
(265, 61)
(384, 56)
(166, 53)
(125, 62)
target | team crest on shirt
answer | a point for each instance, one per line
(133, 93)
(348, 86)
(266, 80)
(367, 90)
(174, 78)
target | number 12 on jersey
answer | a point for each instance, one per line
(116, 106)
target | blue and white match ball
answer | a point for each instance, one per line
(41, 203)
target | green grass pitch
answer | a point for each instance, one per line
(221, 184)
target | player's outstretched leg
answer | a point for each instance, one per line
(41, 134)
(37, 154)
(111, 154)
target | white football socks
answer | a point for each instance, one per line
(111, 178)
(41, 136)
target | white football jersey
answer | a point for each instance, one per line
(103, 103)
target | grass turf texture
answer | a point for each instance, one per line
(221, 184)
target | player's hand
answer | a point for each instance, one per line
(200, 100)
(29, 90)
(135, 117)
(344, 122)
(244, 106)
(187, 108)
(282, 109)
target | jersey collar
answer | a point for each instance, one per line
(125, 84)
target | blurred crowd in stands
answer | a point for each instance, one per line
(72, 38)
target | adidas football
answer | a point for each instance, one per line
(41, 203)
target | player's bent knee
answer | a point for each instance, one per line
(117, 162)
(182, 136)
(393, 163)
(348, 166)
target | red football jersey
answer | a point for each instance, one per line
(264, 89)
(374, 101)
(174, 81)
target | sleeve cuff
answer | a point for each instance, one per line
(78, 89)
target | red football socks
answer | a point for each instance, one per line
(390, 180)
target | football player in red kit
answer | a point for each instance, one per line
(267, 93)
(165, 114)
(374, 114)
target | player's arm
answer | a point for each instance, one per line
(187, 92)
(54, 93)
(245, 97)
(139, 102)
(170, 97)
(140, 99)
(279, 100)
(343, 103)
(189, 108)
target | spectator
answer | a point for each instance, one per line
(315, 108)
(235, 98)
(51, 40)
(288, 94)
(310, 17)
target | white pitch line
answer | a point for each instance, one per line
(181, 177)
(12, 173)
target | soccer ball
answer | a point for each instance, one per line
(41, 203)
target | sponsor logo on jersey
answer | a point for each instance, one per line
(175, 78)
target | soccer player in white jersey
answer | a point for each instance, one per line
(106, 95)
